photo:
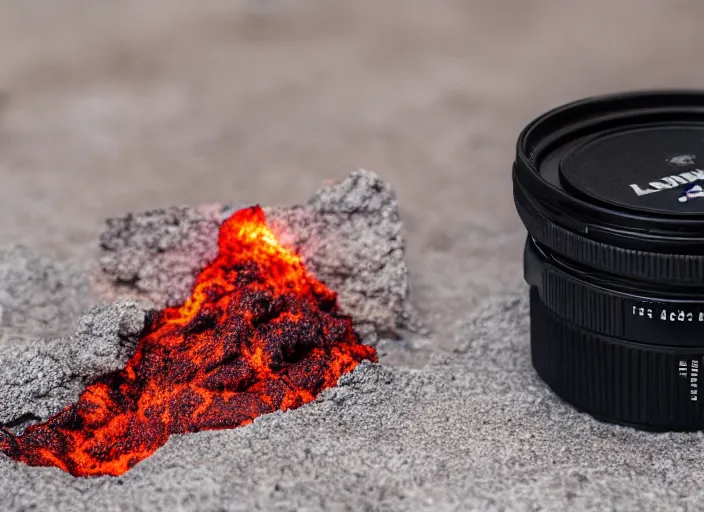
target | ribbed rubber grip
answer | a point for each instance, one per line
(649, 266)
(647, 386)
(583, 305)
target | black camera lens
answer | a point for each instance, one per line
(611, 191)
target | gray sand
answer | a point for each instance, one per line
(38, 295)
(477, 430)
(115, 107)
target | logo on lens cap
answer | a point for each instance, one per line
(692, 192)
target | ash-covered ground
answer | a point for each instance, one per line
(115, 107)
(470, 429)
(475, 430)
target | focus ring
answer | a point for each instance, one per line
(582, 305)
(650, 266)
(624, 382)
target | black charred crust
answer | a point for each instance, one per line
(203, 321)
(111, 379)
(73, 419)
(326, 300)
(236, 376)
(263, 306)
(154, 410)
(327, 303)
(27, 417)
(215, 292)
(232, 338)
(213, 422)
(100, 451)
(337, 332)
(307, 373)
(181, 372)
(13, 450)
(259, 304)
(151, 319)
(247, 273)
(183, 403)
(288, 340)
(229, 359)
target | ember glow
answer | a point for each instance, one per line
(258, 334)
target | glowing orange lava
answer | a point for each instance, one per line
(258, 334)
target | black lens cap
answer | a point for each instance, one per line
(618, 181)
(642, 169)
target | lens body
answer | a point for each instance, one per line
(611, 191)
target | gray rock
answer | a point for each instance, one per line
(156, 255)
(106, 338)
(39, 378)
(349, 235)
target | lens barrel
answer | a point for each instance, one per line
(611, 191)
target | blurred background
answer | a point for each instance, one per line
(115, 106)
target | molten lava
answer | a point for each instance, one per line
(258, 334)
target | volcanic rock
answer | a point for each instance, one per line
(258, 334)
(349, 235)
(39, 377)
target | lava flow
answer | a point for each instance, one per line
(258, 334)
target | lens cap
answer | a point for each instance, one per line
(641, 169)
(616, 182)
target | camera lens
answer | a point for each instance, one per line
(611, 191)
